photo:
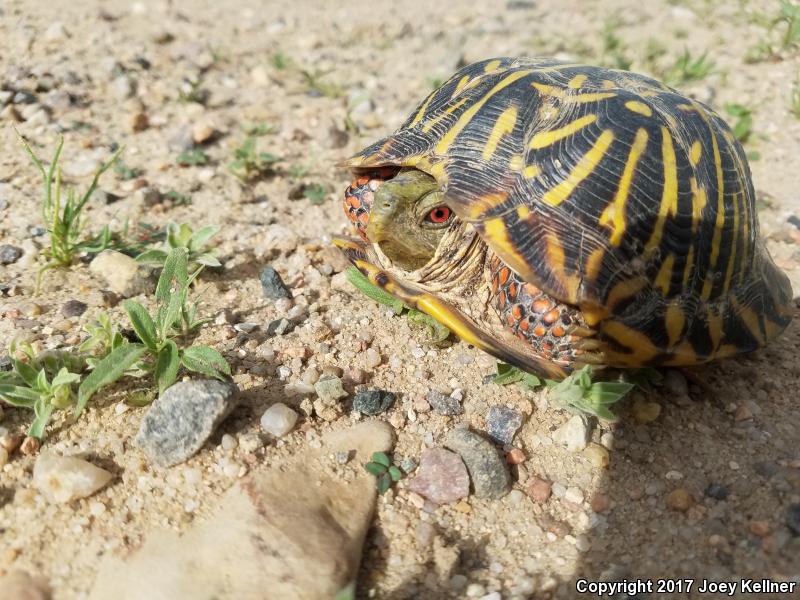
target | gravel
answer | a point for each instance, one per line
(502, 423)
(373, 402)
(443, 405)
(487, 467)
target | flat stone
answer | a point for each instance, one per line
(123, 274)
(329, 389)
(9, 254)
(62, 479)
(181, 420)
(279, 327)
(486, 465)
(269, 527)
(73, 308)
(502, 423)
(272, 284)
(574, 434)
(373, 402)
(441, 477)
(443, 405)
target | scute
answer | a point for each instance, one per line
(608, 190)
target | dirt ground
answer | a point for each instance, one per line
(91, 67)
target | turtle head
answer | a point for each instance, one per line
(408, 218)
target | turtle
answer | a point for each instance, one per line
(557, 215)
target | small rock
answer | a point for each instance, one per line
(139, 122)
(373, 402)
(202, 132)
(278, 420)
(181, 420)
(600, 503)
(65, 478)
(56, 32)
(716, 491)
(574, 495)
(441, 477)
(29, 446)
(123, 274)
(502, 423)
(645, 412)
(330, 389)
(73, 308)
(598, 455)
(679, 499)
(487, 467)
(675, 383)
(759, 528)
(793, 518)
(3, 457)
(123, 87)
(280, 237)
(279, 327)
(574, 434)
(539, 489)
(272, 284)
(443, 405)
(9, 254)
(245, 327)
(515, 456)
(19, 585)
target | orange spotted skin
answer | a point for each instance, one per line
(533, 316)
(359, 195)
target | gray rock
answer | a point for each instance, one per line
(487, 467)
(9, 254)
(502, 423)
(123, 275)
(181, 420)
(373, 402)
(574, 434)
(330, 388)
(73, 308)
(716, 491)
(272, 284)
(441, 477)
(675, 383)
(23, 97)
(793, 518)
(444, 405)
(279, 327)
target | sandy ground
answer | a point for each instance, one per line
(371, 63)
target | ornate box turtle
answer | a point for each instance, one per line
(556, 215)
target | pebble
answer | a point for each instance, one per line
(574, 495)
(202, 132)
(330, 389)
(502, 423)
(515, 497)
(487, 467)
(56, 32)
(272, 285)
(716, 491)
(138, 122)
(278, 419)
(3, 457)
(123, 87)
(441, 477)
(793, 518)
(598, 455)
(600, 503)
(9, 254)
(228, 442)
(645, 412)
(181, 420)
(245, 327)
(442, 404)
(675, 383)
(373, 402)
(679, 499)
(475, 590)
(372, 358)
(123, 274)
(62, 479)
(759, 528)
(491, 596)
(279, 327)
(280, 237)
(515, 456)
(73, 308)
(574, 434)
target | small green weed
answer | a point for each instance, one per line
(260, 129)
(381, 467)
(688, 68)
(192, 158)
(794, 98)
(613, 48)
(743, 124)
(438, 332)
(183, 236)
(177, 198)
(315, 193)
(249, 164)
(125, 172)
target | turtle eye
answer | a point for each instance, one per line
(439, 215)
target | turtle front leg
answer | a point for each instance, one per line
(556, 332)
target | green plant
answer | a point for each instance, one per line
(192, 158)
(298, 171)
(192, 90)
(42, 382)
(315, 193)
(381, 467)
(163, 356)
(259, 129)
(125, 172)
(177, 198)
(104, 338)
(743, 125)
(794, 98)
(789, 18)
(183, 236)
(613, 48)
(64, 219)
(439, 333)
(281, 61)
(688, 68)
(248, 163)
(576, 393)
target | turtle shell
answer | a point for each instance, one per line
(610, 191)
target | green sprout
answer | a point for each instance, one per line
(794, 98)
(743, 126)
(183, 236)
(249, 164)
(125, 172)
(381, 467)
(64, 219)
(260, 129)
(438, 332)
(576, 393)
(192, 158)
(688, 68)
(315, 193)
(613, 50)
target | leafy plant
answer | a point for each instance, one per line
(794, 98)
(259, 129)
(439, 333)
(64, 219)
(381, 467)
(576, 393)
(743, 126)
(157, 334)
(125, 172)
(688, 68)
(183, 236)
(192, 158)
(613, 48)
(788, 18)
(248, 163)
(177, 198)
(315, 193)
(43, 382)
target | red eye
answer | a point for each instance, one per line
(440, 214)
